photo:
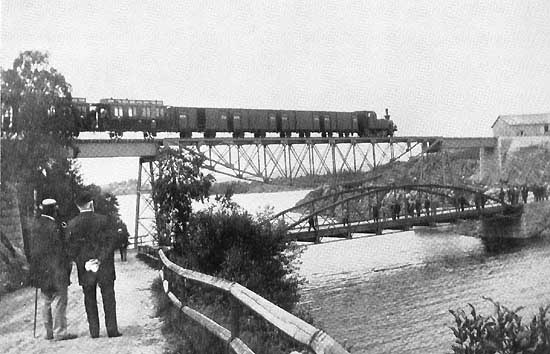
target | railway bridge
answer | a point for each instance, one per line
(272, 159)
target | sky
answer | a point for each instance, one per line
(441, 68)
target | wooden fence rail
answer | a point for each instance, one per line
(149, 251)
(301, 331)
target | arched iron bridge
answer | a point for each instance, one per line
(398, 207)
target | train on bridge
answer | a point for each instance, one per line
(117, 116)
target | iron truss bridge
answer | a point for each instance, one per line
(341, 213)
(288, 158)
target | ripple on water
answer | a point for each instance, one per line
(392, 293)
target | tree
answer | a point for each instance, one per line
(226, 242)
(37, 128)
(180, 181)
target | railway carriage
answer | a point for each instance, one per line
(346, 123)
(271, 120)
(329, 123)
(216, 120)
(239, 122)
(286, 123)
(259, 123)
(183, 120)
(304, 123)
(85, 119)
(120, 115)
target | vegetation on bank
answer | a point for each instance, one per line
(242, 187)
(501, 333)
(528, 166)
(121, 188)
(223, 241)
(443, 169)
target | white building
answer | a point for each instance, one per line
(522, 125)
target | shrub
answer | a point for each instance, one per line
(502, 333)
(227, 242)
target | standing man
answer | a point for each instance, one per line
(123, 248)
(375, 212)
(311, 222)
(50, 270)
(92, 242)
(524, 193)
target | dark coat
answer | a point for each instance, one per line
(123, 240)
(90, 236)
(50, 267)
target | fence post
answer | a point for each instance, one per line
(236, 312)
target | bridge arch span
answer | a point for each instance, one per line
(355, 206)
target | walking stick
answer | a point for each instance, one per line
(35, 309)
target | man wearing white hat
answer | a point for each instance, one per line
(50, 270)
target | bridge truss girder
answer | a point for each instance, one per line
(271, 158)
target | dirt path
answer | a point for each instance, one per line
(141, 332)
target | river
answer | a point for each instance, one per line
(391, 293)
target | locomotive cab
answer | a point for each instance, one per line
(367, 123)
(392, 127)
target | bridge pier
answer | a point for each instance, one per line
(501, 227)
(531, 221)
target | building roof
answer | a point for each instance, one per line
(524, 119)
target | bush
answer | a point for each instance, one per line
(228, 243)
(502, 333)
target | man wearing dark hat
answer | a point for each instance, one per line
(50, 270)
(91, 244)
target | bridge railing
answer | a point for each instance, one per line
(299, 330)
(149, 252)
(144, 240)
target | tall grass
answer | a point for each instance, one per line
(501, 333)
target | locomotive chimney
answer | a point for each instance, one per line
(387, 116)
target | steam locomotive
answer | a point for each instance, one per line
(117, 116)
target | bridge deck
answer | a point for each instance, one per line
(148, 148)
(141, 331)
(403, 223)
